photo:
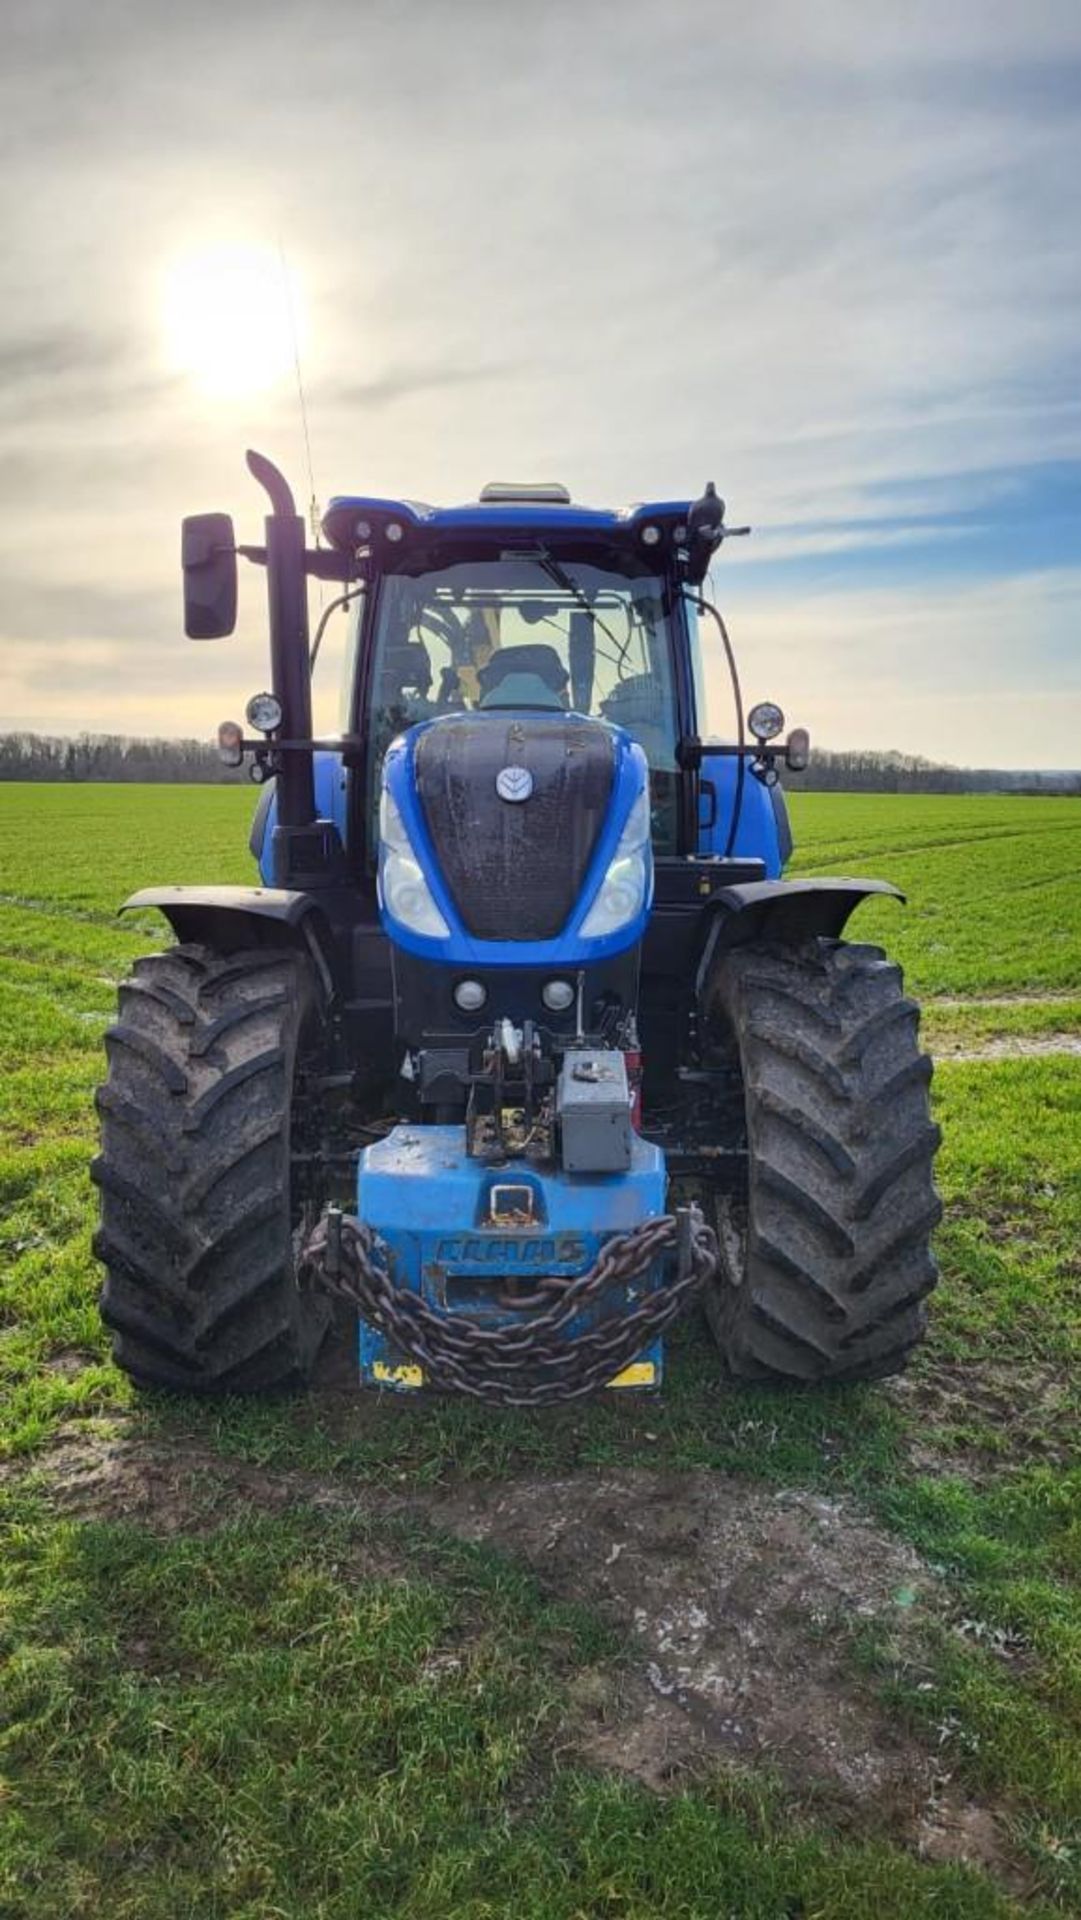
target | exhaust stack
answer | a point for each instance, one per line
(287, 595)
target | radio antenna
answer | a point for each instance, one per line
(313, 503)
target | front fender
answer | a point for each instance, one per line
(784, 911)
(227, 918)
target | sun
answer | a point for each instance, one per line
(230, 316)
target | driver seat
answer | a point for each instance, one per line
(532, 675)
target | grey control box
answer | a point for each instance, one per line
(593, 1107)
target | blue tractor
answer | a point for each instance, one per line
(522, 1041)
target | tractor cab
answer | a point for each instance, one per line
(522, 628)
(527, 601)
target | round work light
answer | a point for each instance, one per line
(264, 712)
(766, 720)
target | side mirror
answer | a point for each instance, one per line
(208, 557)
(704, 533)
(797, 750)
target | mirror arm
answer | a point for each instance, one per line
(321, 563)
(326, 563)
(333, 743)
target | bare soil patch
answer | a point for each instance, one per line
(1035, 1405)
(186, 1488)
(737, 1603)
(69, 1362)
(1012, 1046)
(963, 1045)
(1048, 996)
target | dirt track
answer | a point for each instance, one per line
(737, 1607)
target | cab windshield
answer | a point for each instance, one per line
(529, 631)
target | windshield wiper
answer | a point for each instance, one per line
(557, 572)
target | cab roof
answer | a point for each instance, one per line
(388, 528)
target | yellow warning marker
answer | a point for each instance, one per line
(403, 1376)
(640, 1373)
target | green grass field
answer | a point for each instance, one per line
(329, 1656)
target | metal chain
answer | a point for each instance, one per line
(540, 1362)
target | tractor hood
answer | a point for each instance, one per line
(515, 837)
(514, 804)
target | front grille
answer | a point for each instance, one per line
(515, 868)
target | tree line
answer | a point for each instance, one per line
(110, 756)
(867, 770)
(114, 756)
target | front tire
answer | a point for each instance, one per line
(827, 1246)
(199, 1210)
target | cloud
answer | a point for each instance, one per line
(389, 388)
(801, 543)
(981, 673)
(828, 258)
(45, 355)
(84, 612)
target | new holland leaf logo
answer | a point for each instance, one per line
(514, 783)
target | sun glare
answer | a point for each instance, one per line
(229, 314)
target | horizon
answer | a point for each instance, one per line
(885, 754)
(828, 261)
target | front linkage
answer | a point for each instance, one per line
(541, 1362)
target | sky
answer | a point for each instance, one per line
(828, 256)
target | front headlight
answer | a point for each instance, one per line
(622, 893)
(405, 892)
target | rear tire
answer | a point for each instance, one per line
(198, 1211)
(827, 1248)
